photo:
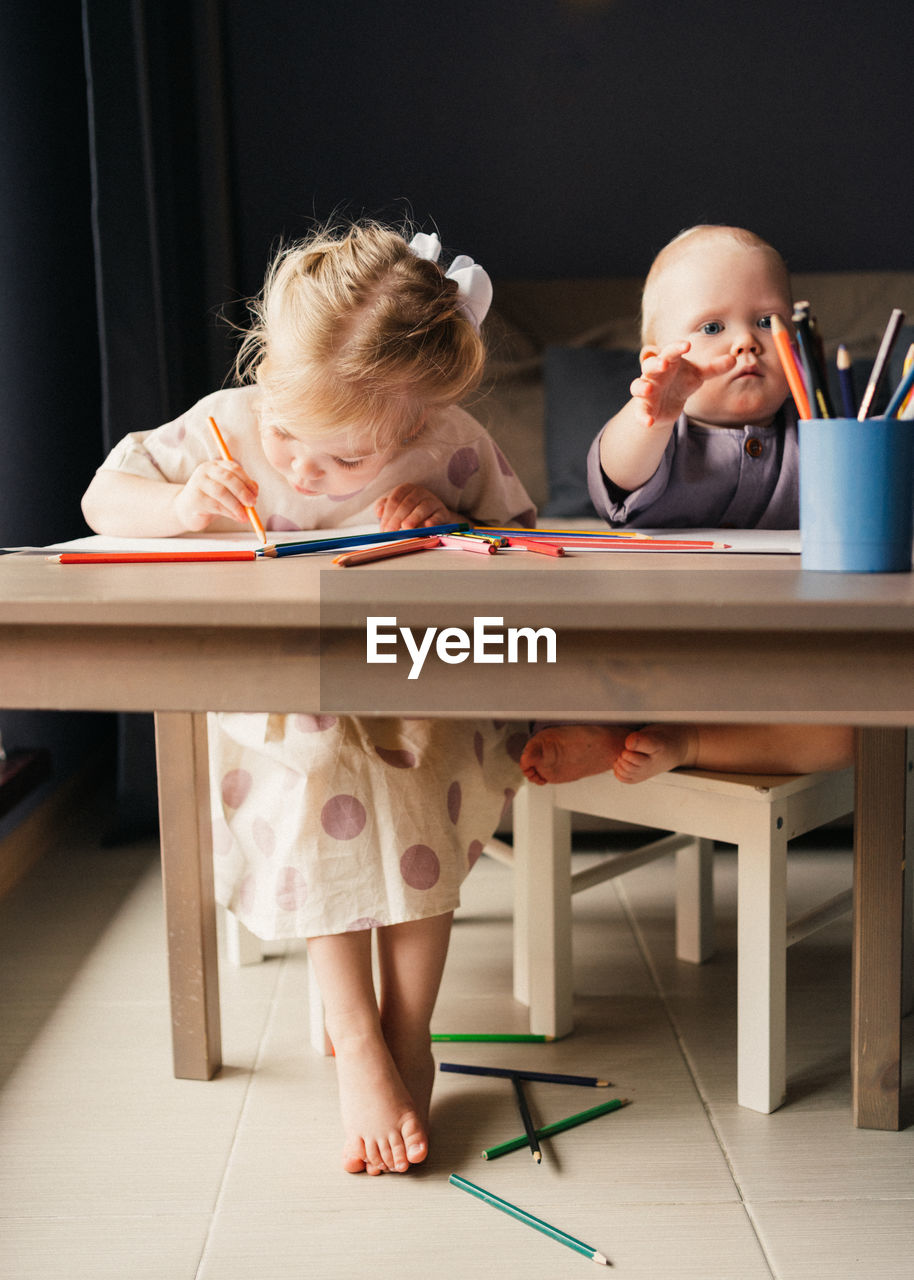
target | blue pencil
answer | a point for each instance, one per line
(846, 382)
(901, 392)
(355, 540)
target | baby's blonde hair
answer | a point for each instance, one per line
(354, 331)
(677, 249)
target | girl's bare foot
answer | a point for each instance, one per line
(564, 753)
(386, 1131)
(655, 749)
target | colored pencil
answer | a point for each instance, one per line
(387, 550)
(527, 1121)
(252, 515)
(846, 382)
(528, 1219)
(880, 364)
(150, 557)
(789, 365)
(454, 542)
(540, 545)
(547, 531)
(485, 1037)
(900, 394)
(816, 383)
(644, 544)
(908, 361)
(510, 1073)
(559, 1126)
(316, 545)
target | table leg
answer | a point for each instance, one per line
(879, 830)
(190, 911)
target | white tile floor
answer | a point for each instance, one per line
(111, 1168)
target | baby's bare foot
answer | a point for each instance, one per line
(655, 749)
(564, 753)
(385, 1131)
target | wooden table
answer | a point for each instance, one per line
(639, 637)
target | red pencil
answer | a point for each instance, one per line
(149, 557)
(539, 545)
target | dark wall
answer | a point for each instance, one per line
(575, 137)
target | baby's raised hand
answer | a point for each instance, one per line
(410, 506)
(216, 488)
(668, 379)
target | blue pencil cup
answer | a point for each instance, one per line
(856, 494)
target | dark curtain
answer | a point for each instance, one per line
(162, 246)
(49, 406)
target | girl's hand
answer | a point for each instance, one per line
(216, 488)
(409, 506)
(668, 379)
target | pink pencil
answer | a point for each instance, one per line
(456, 543)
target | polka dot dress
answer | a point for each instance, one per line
(326, 824)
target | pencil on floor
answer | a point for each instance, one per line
(558, 1126)
(527, 1120)
(253, 517)
(510, 1073)
(529, 1220)
(487, 1037)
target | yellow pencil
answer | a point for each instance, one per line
(252, 515)
(909, 398)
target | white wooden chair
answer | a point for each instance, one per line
(757, 814)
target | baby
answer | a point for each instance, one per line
(708, 440)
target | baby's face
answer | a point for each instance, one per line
(322, 466)
(720, 298)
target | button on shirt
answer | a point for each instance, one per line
(711, 478)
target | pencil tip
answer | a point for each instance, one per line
(538, 1157)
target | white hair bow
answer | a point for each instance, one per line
(474, 288)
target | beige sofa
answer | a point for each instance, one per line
(530, 317)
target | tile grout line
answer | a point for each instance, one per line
(230, 1155)
(644, 952)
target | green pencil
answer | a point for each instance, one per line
(528, 1219)
(483, 1038)
(559, 1126)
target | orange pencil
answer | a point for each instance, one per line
(251, 512)
(386, 550)
(789, 365)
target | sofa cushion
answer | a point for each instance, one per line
(584, 386)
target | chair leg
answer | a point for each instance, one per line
(317, 1031)
(761, 1072)
(907, 928)
(695, 901)
(542, 921)
(242, 946)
